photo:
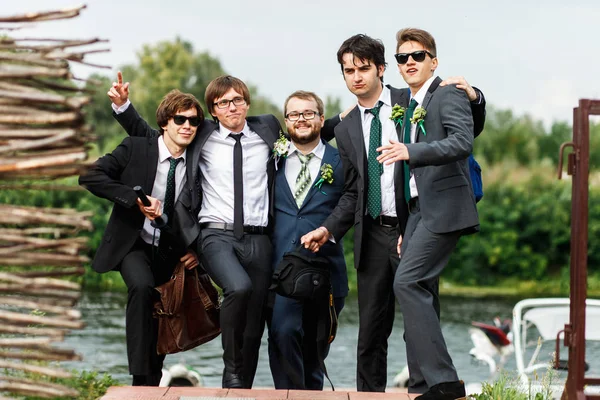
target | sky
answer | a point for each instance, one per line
(532, 56)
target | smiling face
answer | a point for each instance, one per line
(415, 74)
(231, 117)
(363, 78)
(303, 131)
(178, 137)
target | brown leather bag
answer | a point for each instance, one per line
(187, 311)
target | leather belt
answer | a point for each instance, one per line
(413, 205)
(387, 221)
(252, 230)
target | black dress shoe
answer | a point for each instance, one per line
(445, 391)
(232, 381)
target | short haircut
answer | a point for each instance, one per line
(416, 35)
(304, 95)
(173, 102)
(221, 85)
(364, 48)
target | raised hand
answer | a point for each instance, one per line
(393, 152)
(119, 92)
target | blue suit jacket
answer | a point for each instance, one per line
(291, 223)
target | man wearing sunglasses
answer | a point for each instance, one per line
(233, 174)
(144, 256)
(374, 200)
(441, 206)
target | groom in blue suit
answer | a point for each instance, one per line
(303, 200)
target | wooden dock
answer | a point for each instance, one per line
(198, 393)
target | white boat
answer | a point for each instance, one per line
(535, 322)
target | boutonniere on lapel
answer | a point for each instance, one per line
(418, 118)
(397, 114)
(326, 177)
(281, 147)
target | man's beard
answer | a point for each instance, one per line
(304, 139)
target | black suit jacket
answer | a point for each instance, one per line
(113, 177)
(350, 140)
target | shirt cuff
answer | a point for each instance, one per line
(122, 109)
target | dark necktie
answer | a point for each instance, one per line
(374, 167)
(169, 204)
(238, 187)
(407, 126)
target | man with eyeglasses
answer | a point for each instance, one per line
(374, 202)
(301, 205)
(144, 256)
(232, 170)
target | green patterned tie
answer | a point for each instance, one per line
(374, 167)
(407, 125)
(303, 180)
(169, 204)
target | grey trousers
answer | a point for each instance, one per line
(424, 255)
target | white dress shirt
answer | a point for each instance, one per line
(293, 165)
(419, 97)
(216, 165)
(388, 131)
(160, 186)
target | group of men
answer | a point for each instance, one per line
(236, 202)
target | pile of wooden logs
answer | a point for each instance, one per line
(43, 136)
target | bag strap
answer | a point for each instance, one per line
(179, 276)
(206, 301)
(324, 333)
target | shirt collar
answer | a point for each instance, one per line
(224, 132)
(318, 151)
(164, 153)
(385, 97)
(420, 95)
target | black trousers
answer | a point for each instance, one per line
(376, 303)
(142, 272)
(242, 268)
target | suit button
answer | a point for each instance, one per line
(299, 217)
(293, 241)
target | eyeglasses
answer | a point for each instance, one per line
(180, 120)
(237, 101)
(295, 116)
(418, 56)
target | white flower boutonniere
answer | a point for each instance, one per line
(397, 114)
(281, 147)
(326, 176)
(418, 118)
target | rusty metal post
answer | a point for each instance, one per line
(578, 167)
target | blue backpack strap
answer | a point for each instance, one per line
(475, 171)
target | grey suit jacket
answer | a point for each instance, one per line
(439, 163)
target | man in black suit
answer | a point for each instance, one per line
(373, 200)
(232, 201)
(144, 256)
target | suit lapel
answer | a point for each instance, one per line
(283, 185)
(152, 158)
(400, 97)
(434, 85)
(328, 158)
(195, 149)
(356, 137)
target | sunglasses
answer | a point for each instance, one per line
(180, 120)
(418, 56)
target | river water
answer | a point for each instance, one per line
(102, 342)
